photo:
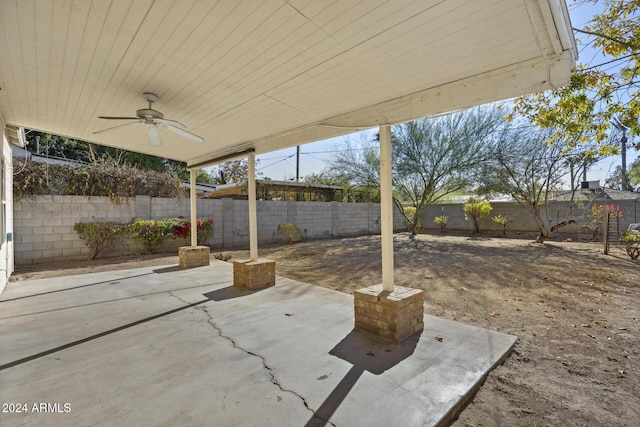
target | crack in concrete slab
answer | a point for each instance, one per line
(273, 380)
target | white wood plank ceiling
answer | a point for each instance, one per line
(267, 74)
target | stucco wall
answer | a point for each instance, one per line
(44, 225)
(6, 211)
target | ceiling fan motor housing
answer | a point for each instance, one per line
(149, 113)
(152, 119)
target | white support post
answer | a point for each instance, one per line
(386, 208)
(194, 215)
(253, 216)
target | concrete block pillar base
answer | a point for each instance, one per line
(394, 316)
(258, 274)
(190, 256)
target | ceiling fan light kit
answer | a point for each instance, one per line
(151, 119)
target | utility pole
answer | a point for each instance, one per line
(297, 163)
(623, 152)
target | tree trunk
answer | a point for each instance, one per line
(544, 236)
(415, 228)
(476, 224)
(562, 224)
(541, 238)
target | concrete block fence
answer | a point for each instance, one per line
(43, 226)
(522, 219)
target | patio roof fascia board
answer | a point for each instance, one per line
(561, 21)
(500, 84)
(221, 159)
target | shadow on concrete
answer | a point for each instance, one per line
(366, 352)
(168, 269)
(96, 336)
(230, 292)
(110, 282)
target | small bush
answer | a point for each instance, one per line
(289, 233)
(502, 220)
(150, 232)
(205, 230)
(98, 235)
(595, 218)
(442, 221)
(631, 242)
(182, 228)
(476, 209)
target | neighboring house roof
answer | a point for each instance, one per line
(21, 154)
(202, 190)
(273, 188)
(262, 76)
(601, 193)
(611, 194)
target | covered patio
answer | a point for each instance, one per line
(167, 346)
(252, 77)
(248, 78)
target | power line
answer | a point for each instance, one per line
(275, 163)
(610, 62)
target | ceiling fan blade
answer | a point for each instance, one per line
(168, 122)
(117, 118)
(115, 127)
(185, 134)
(153, 135)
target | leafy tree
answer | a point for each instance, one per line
(356, 163)
(431, 157)
(584, 110)
(615, 180)
(236, 171)
(323, 178)
(61, 147)
(529, 168)
(435, 157)
(356, 167)
(634, 172)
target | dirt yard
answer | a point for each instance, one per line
(576, 313)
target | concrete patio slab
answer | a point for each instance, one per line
(168, 346)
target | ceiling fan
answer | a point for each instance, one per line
(152, 119)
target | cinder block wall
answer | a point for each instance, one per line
(522, 218)
(44, 225)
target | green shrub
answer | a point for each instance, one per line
(631, 242)
(205, 230)
(180, 227)
(441, 221)
(150, 232)
(98, 235)
(502, 220)
(116, 182)
(289, 233)
(476, 209)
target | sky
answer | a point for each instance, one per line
(281, 164)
